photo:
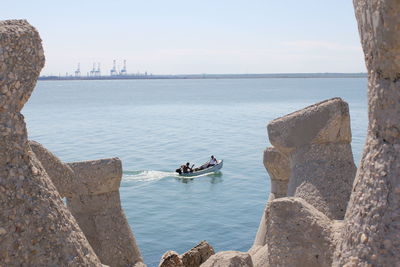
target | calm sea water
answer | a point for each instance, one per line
(156, 125)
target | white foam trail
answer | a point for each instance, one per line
(147, 176)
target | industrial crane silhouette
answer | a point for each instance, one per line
(113, 71)
(93, 71)
(98, 71)
(78, 71)
(123, 71)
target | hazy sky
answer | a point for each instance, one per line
(183, 36)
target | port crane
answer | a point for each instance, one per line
(93, 71)
(98, 71)
(123, 71)
(78, 71)
(113, 71)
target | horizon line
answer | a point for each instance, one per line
(145, 76)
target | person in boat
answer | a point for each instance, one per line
(186, 168)
(213, 161)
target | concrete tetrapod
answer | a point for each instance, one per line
(371, 234)
(277, 166)
(36, 228)
(317, 140)
(229, 259)
(192, 258)
(171, 259)
(298, 234)
(92, 192)
(197, 255)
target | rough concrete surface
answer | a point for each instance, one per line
(62, 176)
(92, 192)
(324, 122)
(298, 234)
(36, 228)
(192, 258)
(277, 166)
(316, 140)
(171, 259)
(323, 175)
(197, 255)
(371, 234)
(229, 259)
(259, 256)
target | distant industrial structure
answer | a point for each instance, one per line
(122, 74)
(95, 72)
(123, 71)
(113, 71)
(78, 70)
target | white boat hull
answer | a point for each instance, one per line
(211, 169)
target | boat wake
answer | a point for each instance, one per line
(143, 178)
(146, 176)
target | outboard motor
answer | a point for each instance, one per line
(178, 171)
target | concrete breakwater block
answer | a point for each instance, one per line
(36, 228)
(298, 234)
(229, 259)
(317, 140)
(192, 258)
(277, 166)
(92, 192)
(312, 170)
(371, 232)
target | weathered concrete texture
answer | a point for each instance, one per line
(36, 228)
(254, 249)
(229, 259)
(192, 258)
(62, 176)
(171, 259)
(317, 142)
(298, 235)
(323, 175)
(261, 235)
(278, 168)
(259, 256)
(197, 255)
(371, 235)
(92, 192)
(321, 123)
(105, 226)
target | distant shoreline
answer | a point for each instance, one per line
(206, 76)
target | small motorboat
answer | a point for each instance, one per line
(210, 169)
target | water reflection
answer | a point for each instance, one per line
(214, 178)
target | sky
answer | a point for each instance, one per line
(186, 37)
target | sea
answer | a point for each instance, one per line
(154, 126)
